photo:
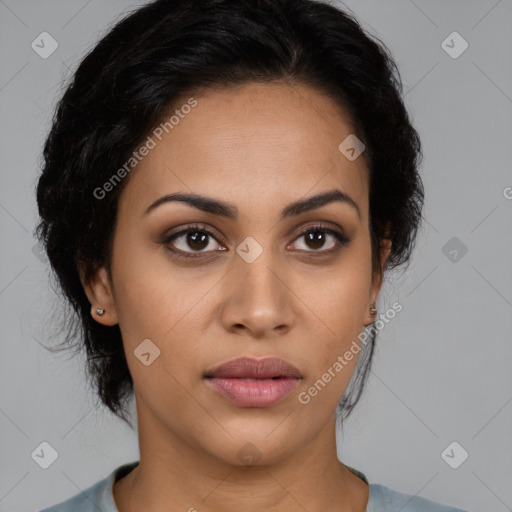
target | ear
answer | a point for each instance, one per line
(377, 278)
(99, 292)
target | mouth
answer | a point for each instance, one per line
(248, 382)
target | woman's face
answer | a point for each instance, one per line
(255, 287)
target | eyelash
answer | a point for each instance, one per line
(341, 239)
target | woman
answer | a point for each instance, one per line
(225, 184)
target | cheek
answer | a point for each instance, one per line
(152, 294)
(340, 308)
(164, 305)
(342, 300)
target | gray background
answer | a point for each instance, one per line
(443, 366)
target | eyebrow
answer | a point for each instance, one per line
(230, 211)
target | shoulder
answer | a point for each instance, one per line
(384, 499)
(96, 497)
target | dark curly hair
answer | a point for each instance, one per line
(134, 77)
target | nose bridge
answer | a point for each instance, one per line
(256, 268)
(258, 297)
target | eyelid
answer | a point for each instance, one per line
(169, 235)
(322, 225)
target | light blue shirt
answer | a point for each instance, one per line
(100, 497)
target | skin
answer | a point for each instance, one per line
(258, 147)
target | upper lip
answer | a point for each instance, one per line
(246, 367)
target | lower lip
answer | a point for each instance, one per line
(254, 393)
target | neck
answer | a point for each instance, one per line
(173, 472)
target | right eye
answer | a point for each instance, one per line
(197, 237)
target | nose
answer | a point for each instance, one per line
(258, 298)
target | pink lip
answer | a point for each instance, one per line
(246, 367)
(254, 393)
(250, 382)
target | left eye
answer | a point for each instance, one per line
(315, 238)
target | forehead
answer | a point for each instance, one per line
(248, 142)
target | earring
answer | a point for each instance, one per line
(100, 311)
(373, 309)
